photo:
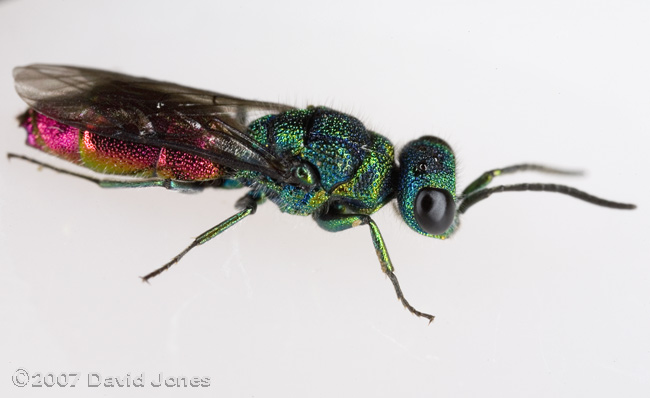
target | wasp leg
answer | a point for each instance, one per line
(248, 204)
(487, 177)
(136, 183)
(338, 222)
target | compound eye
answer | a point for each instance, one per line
(434, 210)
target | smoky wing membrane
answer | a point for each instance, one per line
(151, 112)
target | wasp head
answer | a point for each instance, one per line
(427, 187)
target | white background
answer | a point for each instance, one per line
(538, 295)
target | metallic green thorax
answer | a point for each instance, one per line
(355, 167)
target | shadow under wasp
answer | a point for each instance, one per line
(313, 161)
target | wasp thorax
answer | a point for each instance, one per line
(427, 186)
(305, 174)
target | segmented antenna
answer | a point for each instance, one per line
(475, 197)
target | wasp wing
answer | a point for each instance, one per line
(156, 113)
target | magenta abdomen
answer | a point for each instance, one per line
(113, 156)
(49, 136)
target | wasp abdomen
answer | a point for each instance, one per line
(113, 156)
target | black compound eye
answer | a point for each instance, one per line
(434, 210)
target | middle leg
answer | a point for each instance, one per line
(248, 204)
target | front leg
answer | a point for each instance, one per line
(334, 222)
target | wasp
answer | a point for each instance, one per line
(314, 162)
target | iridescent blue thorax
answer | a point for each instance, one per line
(354, 167)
